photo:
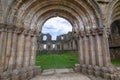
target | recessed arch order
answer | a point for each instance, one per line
(113, 12)
(25, 19)
(33, 14)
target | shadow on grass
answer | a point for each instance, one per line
(63, 60)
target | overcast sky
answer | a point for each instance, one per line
(56, 26)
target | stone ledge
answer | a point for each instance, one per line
(109, 73)
(22, 74)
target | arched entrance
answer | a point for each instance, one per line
(114, 29)
(114, 39)
(24, 23)
(61, 49)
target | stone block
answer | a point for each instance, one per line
(90, 70)
(84, 69)
(77, 68)
(97, 71)
(6, 76)
(30, 73)
(37, 70)
(15, 75)
(23, 74)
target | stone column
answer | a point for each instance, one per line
(2, 54)
(8, 48)
(80, 50)
(0, 50)
(92, 50)
(64, 46)
(106, 56)
(86, 48)
(99, 55)
(20, 51)
(3, 49)
(12, 60)
(73, 45)
(33, 51)
(27, 51)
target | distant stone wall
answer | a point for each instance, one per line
(66, 42)
(115, 53)
(114, 41)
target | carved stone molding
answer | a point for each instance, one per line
(92, 32)
(100, 31)
(82, 33)
(18, 30)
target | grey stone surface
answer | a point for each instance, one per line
(69, 76)
(48, 72)
(89, 20)
(56, 71)
(60, 74)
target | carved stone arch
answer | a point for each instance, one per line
(43, 19)
(113, 12)
(20, 4)
(19, 41)
(114, 28)
(1, 12)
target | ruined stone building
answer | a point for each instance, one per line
(114, 40)
(65, 42)
(93, 21)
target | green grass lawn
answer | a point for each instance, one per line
(66, 60)
(116, 62)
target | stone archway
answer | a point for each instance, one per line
(113, 26)
(24, 22)
(114, 39)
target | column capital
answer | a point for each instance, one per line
(88, 33)
(17, 30)
(100, 31)
(25, 32)
(82, 33)
(93, 31)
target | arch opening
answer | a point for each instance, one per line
(60, 43)
(45, 38)
(56, 26)
(114, 41)
(24, 23)
(114, 27)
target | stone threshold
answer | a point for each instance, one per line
(56, 71)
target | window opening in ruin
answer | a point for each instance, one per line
(44, 38)
(53, 46)
(45, 47)
(62, 38)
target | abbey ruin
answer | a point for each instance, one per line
(94, 22)
(65, 42)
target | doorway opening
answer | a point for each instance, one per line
(114, 42)
(58, 45)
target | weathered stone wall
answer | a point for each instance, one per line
(17, 53)
(93, 53)
(65, 42)
(87, 17)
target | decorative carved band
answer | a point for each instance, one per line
(93, 32)
(18, 30)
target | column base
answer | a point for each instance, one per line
(21, 74)
(109, 73)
